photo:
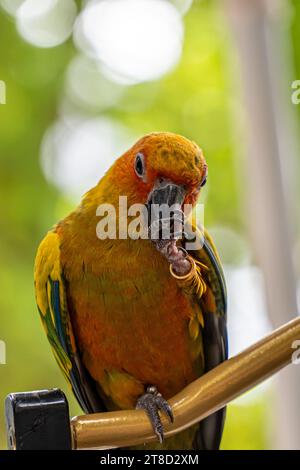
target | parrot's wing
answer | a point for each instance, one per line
(52, 305)
(213, 305)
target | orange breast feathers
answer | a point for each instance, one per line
(132, 324)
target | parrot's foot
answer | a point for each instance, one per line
(151, 402)
(175, 255)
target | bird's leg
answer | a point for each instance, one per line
(151, 402)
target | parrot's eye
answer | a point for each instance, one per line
(139, 165)
(203, 182)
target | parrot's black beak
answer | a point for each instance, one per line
(165, 212)
(166, 192)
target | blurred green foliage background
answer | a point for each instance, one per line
(199, 99)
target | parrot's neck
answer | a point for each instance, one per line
(83, 227)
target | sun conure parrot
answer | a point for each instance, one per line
(133, 321)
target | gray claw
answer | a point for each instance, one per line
(151, 402)
(164, 406)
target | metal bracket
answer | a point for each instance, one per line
(38, 420)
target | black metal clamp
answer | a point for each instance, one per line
(38, 421)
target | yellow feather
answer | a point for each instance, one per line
(194, 328)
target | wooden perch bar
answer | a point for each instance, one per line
(201, 398)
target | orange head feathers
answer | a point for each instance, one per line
(156, 156)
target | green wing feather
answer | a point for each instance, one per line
(52, 305)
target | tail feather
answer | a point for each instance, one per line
(209, 433)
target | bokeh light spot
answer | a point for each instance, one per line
(11, 6)
(46, 23)
(136, 40)
(75, 153)
(87, 86)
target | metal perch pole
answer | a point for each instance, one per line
(199, 399)
(40, 419)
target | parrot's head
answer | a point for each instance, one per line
(163, 168)
(162, 172)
